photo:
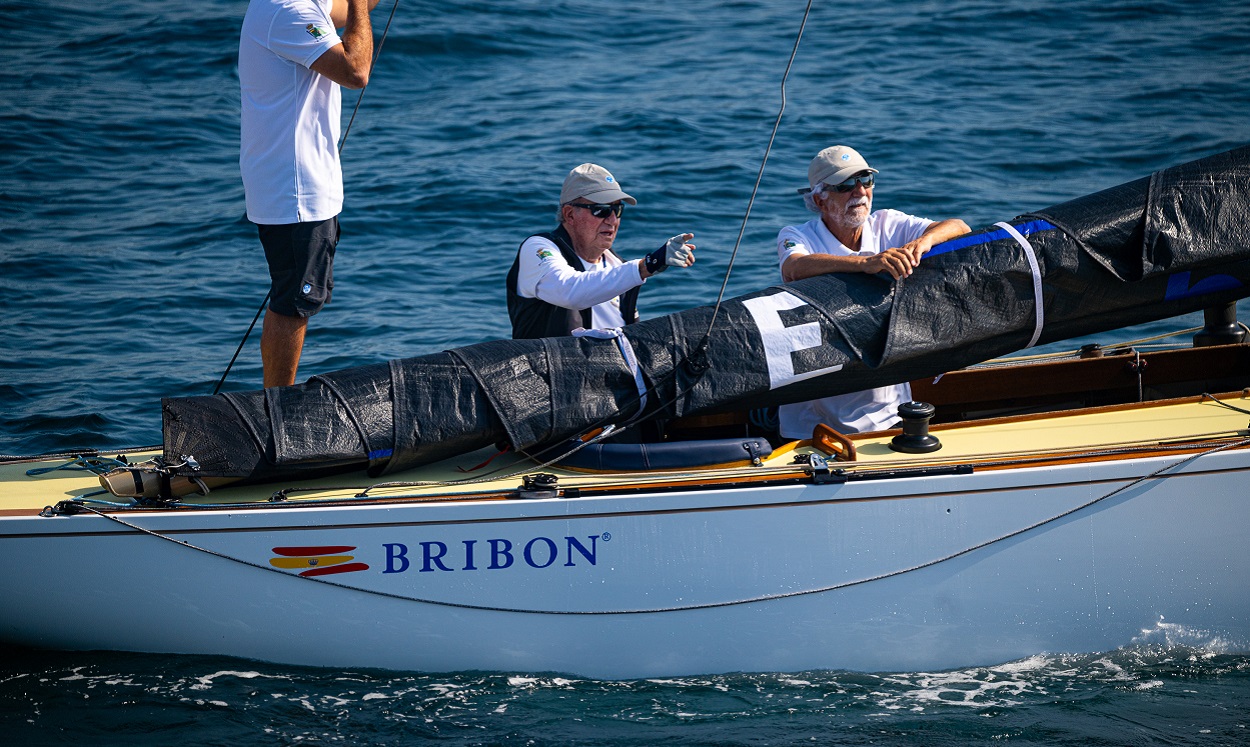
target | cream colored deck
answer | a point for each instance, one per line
(1077, 435)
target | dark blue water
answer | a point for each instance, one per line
(128, 274)
(1152, 695)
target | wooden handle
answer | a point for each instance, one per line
(833, 443)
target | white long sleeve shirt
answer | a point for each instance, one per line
(546, 275)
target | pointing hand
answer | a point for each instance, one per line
(675, 252)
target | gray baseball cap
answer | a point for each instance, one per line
(836, 164)
(594, 183)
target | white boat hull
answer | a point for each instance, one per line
(891, 574)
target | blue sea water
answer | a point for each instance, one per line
(127, 274)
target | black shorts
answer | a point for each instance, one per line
(301, 265)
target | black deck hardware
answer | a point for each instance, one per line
(915, 438)
(541, 485)
(1220, 327)
(822, 474)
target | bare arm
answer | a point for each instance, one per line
(936, 233)
(801, 266)
(898, 261)
(348, 63)
(338, 13)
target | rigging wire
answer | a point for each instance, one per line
(759, 177)
(242, 342)
(376, 54)
(342, 141)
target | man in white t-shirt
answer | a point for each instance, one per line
(291, 64)
(570, 278)
(848, 236)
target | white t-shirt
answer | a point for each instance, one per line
(855, 412)
(545, 274)
(289, 119)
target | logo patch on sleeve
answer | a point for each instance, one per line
(314, 31)
(545, 254)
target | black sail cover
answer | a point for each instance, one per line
(1169, 244)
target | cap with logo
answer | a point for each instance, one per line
(595, 183)
(836, 164)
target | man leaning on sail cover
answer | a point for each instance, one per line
(291, 65)
(570, 278)
(848, 236)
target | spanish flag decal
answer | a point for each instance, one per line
(317, 561)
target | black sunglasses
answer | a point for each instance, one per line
(849, 184)
(600, 209)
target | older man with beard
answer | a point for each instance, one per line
(848, 236)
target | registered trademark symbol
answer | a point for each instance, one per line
(606, 536)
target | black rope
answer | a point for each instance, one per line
(73, 454)
(1222, 403)
(242, 342)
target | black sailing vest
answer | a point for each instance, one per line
(533, 318)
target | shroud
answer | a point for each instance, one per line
(1168, 244)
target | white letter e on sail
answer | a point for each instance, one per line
(780, 341)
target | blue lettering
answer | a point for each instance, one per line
(432, 558)
(500, 548)
(396, 557)
(588, 554)
(552, 552)
(539, 552)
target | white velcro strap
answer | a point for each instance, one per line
(627, 352)
(1040, 315)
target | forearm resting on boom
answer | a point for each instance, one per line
(898, 261)
(348, 63)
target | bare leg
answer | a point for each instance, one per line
(281, 342)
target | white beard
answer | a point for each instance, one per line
(854, 218)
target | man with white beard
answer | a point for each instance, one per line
(848, 236)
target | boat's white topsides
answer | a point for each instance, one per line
(1077, 532)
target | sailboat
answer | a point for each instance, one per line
(486, 507)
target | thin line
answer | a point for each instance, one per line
(759, 177)
(376, 54)
(242, 342)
